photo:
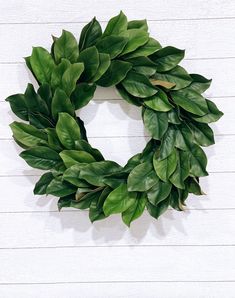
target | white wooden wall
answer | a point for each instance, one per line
(47, 254)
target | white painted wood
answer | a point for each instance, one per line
(217, 186)
(74, 229)
(120, 150)
(15, 78)
(202, 38)
(118, 264)
(17, 11)
(193, 252)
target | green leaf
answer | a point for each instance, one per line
(87, 199)
(41, 157)
(142, 177)
(183, 137)
(90, 58)
(143, 65)
(136, 38)
(182, 170)
(19, 106)
(198, 162)
(41, 186)
(70, 77)
(42, 64)
(156, 211)
(135, 210)
(203, 134)
(138, 85)
(158, 102)
(147, 49)
(112, 45)
(213, 114)
(104, 63)
(167, 58)
(116, 72)
(34, 102)
(190, 101)
(128, 97)
(67, 130)
(165, 168)
(90, 34)
(200, 84)
(119, 200)
(85, 146)
(173, 116)
(159, 192)
(57, 73)
(53, 140)
(71, 157)
(177, 75)
(65, 201)
(82, 94)
(72, 176)
(138, 24)
(193, 186)
(66, 46)
(156, 123)
(28, 135)
(60, 188)
(116, 25)
(94, 172)
(61, 103)
(167, 143)
(96, 208)
(115, 179)
(44, 91)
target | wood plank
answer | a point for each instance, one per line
(68, 229)
(117, 264)
(17, 194)
(117, 118)
(221, 157)
(77, 11)
(117, 290)
(200, 38)
(16, 77)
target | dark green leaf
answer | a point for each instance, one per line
(128, 97)
(19, 106)
(60, 188)
(112, 45)
(203, 134)
(72, 176)
(138, 24)
(90, 58)
(158, 102)
(165, 167)
(156, 123)
(61, 103)
(53, 140)
(70, 77)
(199, 83)
(82, 94)
(198, 162)
(159, 192)
(167, 143)
(104, 63)
(136, 38)
(156, 211)
(41, 186)
(71, 157)
(85, 146)
(116, 25)
(90, 34)
(143, 65)
(58, 72)
(194, 187)
(213, 114)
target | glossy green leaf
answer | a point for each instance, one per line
(198, 162)
(53, 140)
(138, 85)
(70, 77)
(82, 94)
(96, 208)
(167, 58)
(61, 103)
(116, 72)
(194, 187)
(90, 58)
(177, 75)
(28, 135)
(200, 84)
(42, 64)
(159, 192)
(104, 63)
(128, 97)
(190, 101)
(212, 115)
(41, 157)
(44, 91)
(119, 200)
(156, 123)
(19, 106)
(142, 177)
(165, 167)
(41, 186)
(183, 137)
(66, 46)
(57, 73)
(136, 38)
(173, 116)
(138, 24)
(85, 146)
(135, 210)
(203, 134)
(167, 142)
(158, 102)
(67, 130)
(72, 176)
(60, 188)
(112, 45)
(143, 65)
(34, 102)
(71, 157)
(116, 25)
(156, 211)
(90, 34)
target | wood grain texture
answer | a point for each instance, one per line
(44, 253)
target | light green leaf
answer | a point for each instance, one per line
(136, 38)
(138, 24)
(104, 63)
(138, 85)
(68, 130)
(119, 200)
(53, 140)
(66, 46)
(158, 102)
(147, 49)
(61, 103)
(71, 157)
(142, 177)
(70, 77)
(116, 25)
(85, 146)
(165, 167)
(72, 176)
(57, 73)
(156, 123)
(167, 58)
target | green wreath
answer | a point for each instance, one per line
(146, 75)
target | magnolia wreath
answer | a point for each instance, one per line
(146, 75)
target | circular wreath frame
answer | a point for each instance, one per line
(145, 74)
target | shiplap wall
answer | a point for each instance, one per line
(47, 254)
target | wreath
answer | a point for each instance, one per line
(145, 74)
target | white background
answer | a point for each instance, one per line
(47, 254)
